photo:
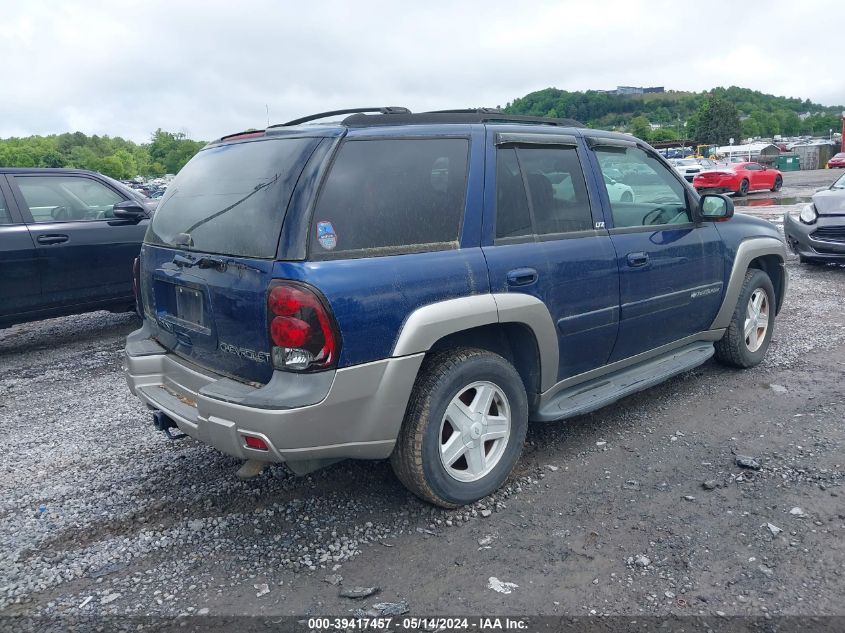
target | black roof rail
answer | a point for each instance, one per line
(472, 115)
(323, 115)
(244, 133)
(466, 111)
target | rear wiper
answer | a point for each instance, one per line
(201, 262)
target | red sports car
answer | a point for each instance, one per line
(837, 161)
(739, 179)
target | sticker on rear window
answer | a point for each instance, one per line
(326, 235)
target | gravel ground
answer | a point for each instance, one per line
(639, 508)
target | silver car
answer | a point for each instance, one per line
(817, 232)
(688, 168)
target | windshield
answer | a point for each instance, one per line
(839, 184)
(231, 199)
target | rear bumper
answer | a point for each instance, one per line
(720, 187)
(356, 413)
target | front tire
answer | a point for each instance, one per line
(778, 184)
(747, 339)
(464, 427)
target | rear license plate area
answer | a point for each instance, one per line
(189, 306)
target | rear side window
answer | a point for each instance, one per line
(391, 196)
(5, 217)
(513, 219)
(556, 201)
(231, 199)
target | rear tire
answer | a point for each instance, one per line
(743, 189)
(627, 197)
(778, 184)
(464, 427)
(747, 339)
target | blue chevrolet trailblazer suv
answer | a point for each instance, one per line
(419, 286)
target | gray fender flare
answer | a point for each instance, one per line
(748, 250)
(428, 324)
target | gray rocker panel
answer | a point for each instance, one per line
(599, 392)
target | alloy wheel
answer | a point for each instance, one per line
(756, 320)
(474, 431)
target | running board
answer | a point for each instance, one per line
(605, 390)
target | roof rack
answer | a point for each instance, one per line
(323, 115)
(397, 115)
(471, 115)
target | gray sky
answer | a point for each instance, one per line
(208, 67)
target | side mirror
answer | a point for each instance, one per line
(716, 208)
(130, 210)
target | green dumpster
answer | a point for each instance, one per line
(788, 162)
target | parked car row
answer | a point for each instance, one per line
(300, 301)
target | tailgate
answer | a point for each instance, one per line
(214, 316)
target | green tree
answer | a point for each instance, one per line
(166, 153)
(663, 134)
(718, 121)
(111, 166)
(750, 128)
(640, 127)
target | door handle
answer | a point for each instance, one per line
(52, 238)
(635, 260)
(522, 277)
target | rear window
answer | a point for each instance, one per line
(391, 196)
(231, 199)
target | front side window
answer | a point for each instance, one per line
(645, 192)
(67, 198)
(557, 200)
(391, 196)
(753, 167)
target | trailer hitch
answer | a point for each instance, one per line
(164, 423)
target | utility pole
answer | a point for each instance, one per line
(843, 132)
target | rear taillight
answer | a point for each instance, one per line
(303, 333)
(136, 286)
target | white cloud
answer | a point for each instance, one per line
(209, 67)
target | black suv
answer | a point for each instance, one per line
(68, 239)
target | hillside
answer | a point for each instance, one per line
(166, 152)
(761, 114)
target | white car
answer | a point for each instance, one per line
(617, 192)
(689, 168)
